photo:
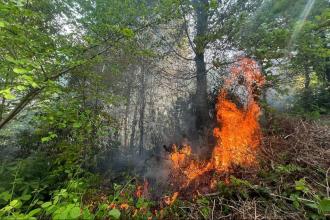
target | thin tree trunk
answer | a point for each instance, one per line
(2, 107)
(202, 117)
(307, 93)
(142, 110)
(134, 123)
(3, 100)
(307, 78)
(20, 106)
(327, 70)
(127, 109)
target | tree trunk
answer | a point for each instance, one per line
(142, 110)
(127, 109)
(307, 78)
(201, 103)
(202, 117)
(3, 99)
(307, 92)
(327, 70)
(134, 123)
(20, 106)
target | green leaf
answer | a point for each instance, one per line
(300, 185)
(7, 94)
(295, 200)
(30, 81)
(45, 139)
(7, 208)
(10, 59)
(312, 205)
(25, 197)
(128, 32)
(34, 212)
(20, 70)
(325, 205)
(46, 204)
(61, 215)
(15, 203)
(114, 214)
(76, 125)
(62, 212)
(75, 212)
(20, 88)
(49, 138)
(87, 214)
(51, 209)
(141, 203)
(5, 196)
(213, 4)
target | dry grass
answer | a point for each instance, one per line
(303, 142)
(292, 149)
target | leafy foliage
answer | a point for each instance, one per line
(70, 70)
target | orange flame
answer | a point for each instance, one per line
(170, 200)
(178, 156)
(238, 133)
(142, 190)
(124, 206)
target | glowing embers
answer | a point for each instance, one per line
(185, 167)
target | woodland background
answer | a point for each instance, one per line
(91, 89)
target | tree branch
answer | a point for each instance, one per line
(186, 30)
(26, 99)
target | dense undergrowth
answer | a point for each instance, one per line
(82, 82)
(292, 182)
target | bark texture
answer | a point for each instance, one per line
(201, 103)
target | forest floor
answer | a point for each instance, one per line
(324, 120)
(291, 182)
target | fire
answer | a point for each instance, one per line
(170, 200)
(142, 190)
(124, 206)
(185, 167)
(238, 133)
(139, 191)
(238, 138)
(178, 156)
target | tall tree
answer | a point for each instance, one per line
(200, 40)
(211, 27)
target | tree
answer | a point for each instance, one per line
(211, 27)
(36, 56)
(293, 35)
